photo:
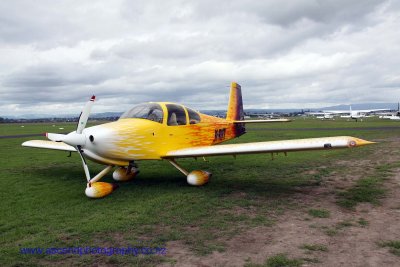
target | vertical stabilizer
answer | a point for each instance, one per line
(235, 106)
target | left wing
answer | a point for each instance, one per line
(322, 143)
(49, 145)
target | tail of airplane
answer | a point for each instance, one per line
(353, 113)
(235, 106)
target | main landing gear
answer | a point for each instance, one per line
(96, 189)
(196, 177)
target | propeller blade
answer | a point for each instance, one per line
(83, 118)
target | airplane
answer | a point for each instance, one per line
(393, 115)
(169, 131)
(353, 114)
(326, 117)
(322, 115)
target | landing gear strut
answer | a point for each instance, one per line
(196, 177)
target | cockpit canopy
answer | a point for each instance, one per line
(175, 114)
(148, 111)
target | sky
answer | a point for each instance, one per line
(54, 55)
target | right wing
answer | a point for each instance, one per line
(262, 121)
(49, 145)
(322, 143)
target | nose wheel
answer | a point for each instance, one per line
(95, 189)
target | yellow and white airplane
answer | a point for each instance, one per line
(168, 131)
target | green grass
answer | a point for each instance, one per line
(279, 260)
(362, 222)
(314, 247)
(368, 189)
(43, 202)
(343, 224)
(331, 231)
(282, 260)
(393, 245)
(319, 213)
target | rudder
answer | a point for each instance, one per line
(235, 105)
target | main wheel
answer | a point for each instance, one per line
(198, 177)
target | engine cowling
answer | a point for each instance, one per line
(121, 176)
(198, 177)
(100, 189)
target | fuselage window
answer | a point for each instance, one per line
(176, 115)
(193, 116)
(148, 111)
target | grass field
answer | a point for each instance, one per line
(43, 202)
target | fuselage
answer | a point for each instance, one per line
(151, 136)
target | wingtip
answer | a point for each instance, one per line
(361, 142)
(93, 98)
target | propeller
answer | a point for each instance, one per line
(76, 138)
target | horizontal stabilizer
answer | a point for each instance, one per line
(263, 121)
(49, 145)
(322, 143)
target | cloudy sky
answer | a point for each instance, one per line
(285, 53)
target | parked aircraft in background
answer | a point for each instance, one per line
(354, 114)
(393, 115)
(321, 115)
(326, 116)
(168, 131)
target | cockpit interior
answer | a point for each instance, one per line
(174, 114)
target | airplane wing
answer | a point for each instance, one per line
(354, 110)
(372, 110)
(49, 145)
(336, 111)
(262, 121)
(322, 143)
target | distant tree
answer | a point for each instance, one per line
(1, 120)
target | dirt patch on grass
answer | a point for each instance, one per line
(351, 236)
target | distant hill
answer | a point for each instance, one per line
(392, 106)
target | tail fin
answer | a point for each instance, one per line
(235, 106)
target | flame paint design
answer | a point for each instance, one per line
(141, 139)
(198, 177)
(100, 189)
(121, 176)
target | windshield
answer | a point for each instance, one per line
(148, 111)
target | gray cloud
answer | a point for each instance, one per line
(304, 53)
